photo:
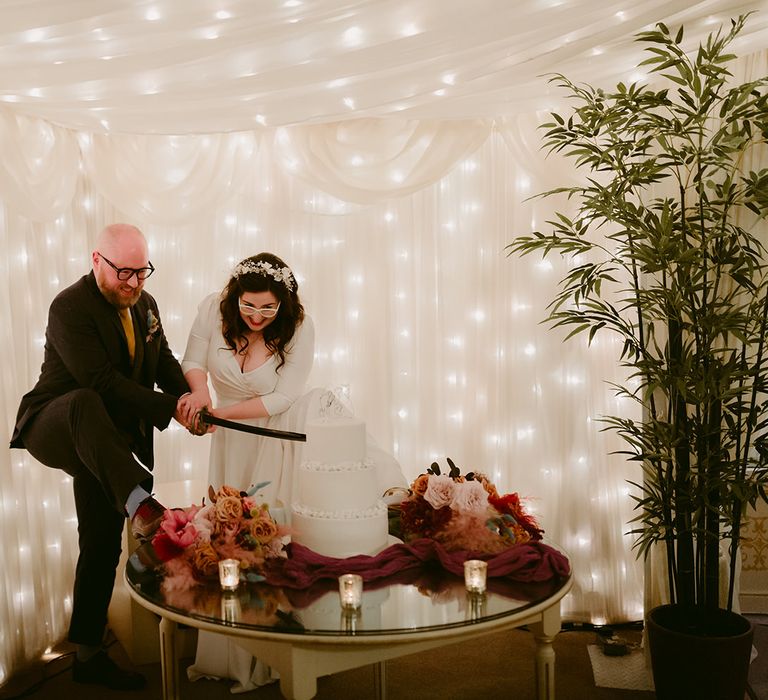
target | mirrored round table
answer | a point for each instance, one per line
(305, 634)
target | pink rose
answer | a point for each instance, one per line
(470, 497)
(439, 491)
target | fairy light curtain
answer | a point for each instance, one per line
(211, 66)
(395, 227)
(418, 311)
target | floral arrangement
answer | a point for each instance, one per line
(464, 513)
(232, 525)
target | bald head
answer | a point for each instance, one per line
(121, 246)
(122, 239)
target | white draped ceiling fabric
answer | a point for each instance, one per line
(387, 151)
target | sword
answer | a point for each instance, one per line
(205, 418)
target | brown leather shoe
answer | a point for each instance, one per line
(147, 519)
(101, 670)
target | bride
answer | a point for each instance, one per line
(256, 345)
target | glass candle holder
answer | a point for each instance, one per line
(349, 619)
(229, 574)
(476, 606)
(350, 591)
(475, 572)
(230, 606)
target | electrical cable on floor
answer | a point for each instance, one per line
(607, 639)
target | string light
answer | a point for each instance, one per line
(443, 289)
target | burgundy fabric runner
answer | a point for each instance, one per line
(531, 562)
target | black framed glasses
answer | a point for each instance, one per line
(125, 273)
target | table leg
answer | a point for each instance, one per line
(169, 659)
(545, 667)
(297, 686)
(380, 680)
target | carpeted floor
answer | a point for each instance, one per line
(758, 671)
(499, 665)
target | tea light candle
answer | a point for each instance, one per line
(229, 574)
(351, 591)
(475, 572)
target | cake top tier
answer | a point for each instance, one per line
(335, 439)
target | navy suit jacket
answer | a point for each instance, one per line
(85, 347)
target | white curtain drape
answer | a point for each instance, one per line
(397, 235)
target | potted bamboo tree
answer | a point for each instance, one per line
(665, 242)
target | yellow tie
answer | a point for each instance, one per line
(127, 321)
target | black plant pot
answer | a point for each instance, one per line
(699, 654)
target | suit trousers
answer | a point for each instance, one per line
(75, 433)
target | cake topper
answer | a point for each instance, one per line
(335, 403)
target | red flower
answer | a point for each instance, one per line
(165, 548)
(419, 519)
(510, 504)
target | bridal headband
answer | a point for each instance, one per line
(279, 274)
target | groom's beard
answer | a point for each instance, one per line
(119, 299)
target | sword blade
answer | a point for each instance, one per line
(206, 417)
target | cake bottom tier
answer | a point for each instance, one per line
(341, 537)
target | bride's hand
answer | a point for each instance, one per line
(192, 403)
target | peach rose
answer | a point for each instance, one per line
(263, 530)
(420, 484)
(225, 491)
(439, 491)
(205, 559)
(228, 510)
(487, 484)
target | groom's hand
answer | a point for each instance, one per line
(180, 414)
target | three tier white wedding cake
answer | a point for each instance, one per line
(338, 511)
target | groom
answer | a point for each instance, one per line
(93, 408)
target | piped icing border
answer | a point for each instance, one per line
(375, 511)
(350, 466)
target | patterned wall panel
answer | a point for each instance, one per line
(754, 561)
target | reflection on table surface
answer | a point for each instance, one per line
(422, 599)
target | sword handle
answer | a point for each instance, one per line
(200, 425)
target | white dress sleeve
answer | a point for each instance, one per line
(196, 354)
(293, 375)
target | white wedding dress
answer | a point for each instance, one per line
(243, 460)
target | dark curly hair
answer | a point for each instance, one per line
(278, 333)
